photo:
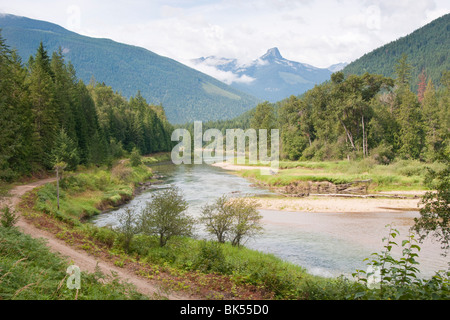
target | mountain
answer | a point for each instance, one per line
(185, 93)
(337, 67)
(427, 48)
(271, 77)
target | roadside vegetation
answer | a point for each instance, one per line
(212, 269)
(29, 271)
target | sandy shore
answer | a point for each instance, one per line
(236, 167)
(337, 204)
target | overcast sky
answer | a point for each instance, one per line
(320, 33)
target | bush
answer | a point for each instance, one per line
(106, 236)
(383, 154)
(165, 216)
(8, 218)
(232, 219)
(390, 279)
(211, 258)
(135, 158)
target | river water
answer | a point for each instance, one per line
(326, 244)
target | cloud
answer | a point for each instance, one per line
(319, 33)
(209, 67)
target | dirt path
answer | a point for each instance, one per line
(82, 259)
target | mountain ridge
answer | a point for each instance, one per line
(427, 48)
(185, 93)
(271, 77)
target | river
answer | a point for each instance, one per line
(325, 244)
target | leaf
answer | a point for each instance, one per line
(359, 295)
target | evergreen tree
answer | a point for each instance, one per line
(432, 121)
(44, 108)
(65, 150)
(15, 133)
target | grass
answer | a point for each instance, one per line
(400, 175)
(89, 193)
(4, 189)
(207, 269)
(29, 271)
(212, 271)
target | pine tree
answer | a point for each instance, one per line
(408, 114)
(15, 131)
(44, 108)
(432, 121)
(65, 150)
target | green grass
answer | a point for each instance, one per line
(4, 189)
(241, 265)
(29, 271)
(155, 158)
(400, 175)
(89, 193)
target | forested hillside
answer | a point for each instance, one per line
(49, 116)
(368, 115)
(356, 117)
(428, 51)
(186, 94)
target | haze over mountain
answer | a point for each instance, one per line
(270, 77)
(185, 93)
(427, 48)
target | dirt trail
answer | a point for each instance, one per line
(82, 259)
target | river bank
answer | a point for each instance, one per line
(337, 204)
(289, 200)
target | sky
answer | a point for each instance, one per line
(319, 33)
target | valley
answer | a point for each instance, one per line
(358, 152)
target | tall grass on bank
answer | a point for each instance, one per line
(210, 269)
(399, 175)
(29, 271)
(86, 194)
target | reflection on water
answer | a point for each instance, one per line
(328, 244)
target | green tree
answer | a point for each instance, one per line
(8, 217)
(65, 150)
(44, 108)
(403, 71)
(408, 114)
(435, 214)
(128, 226)
(135, 158)
(15, 119)
(166, 216)
(233, 219)
(432, 121)
(264, 118)
(411, 134)
(218, 218)
(247, 220)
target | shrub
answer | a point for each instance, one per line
(383, 154)
(135, 158)
(211, 258)
(390, 279)
(232, 219)
(9, 218)
(165, 216)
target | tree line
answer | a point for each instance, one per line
(49, 116)
(361, 116)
